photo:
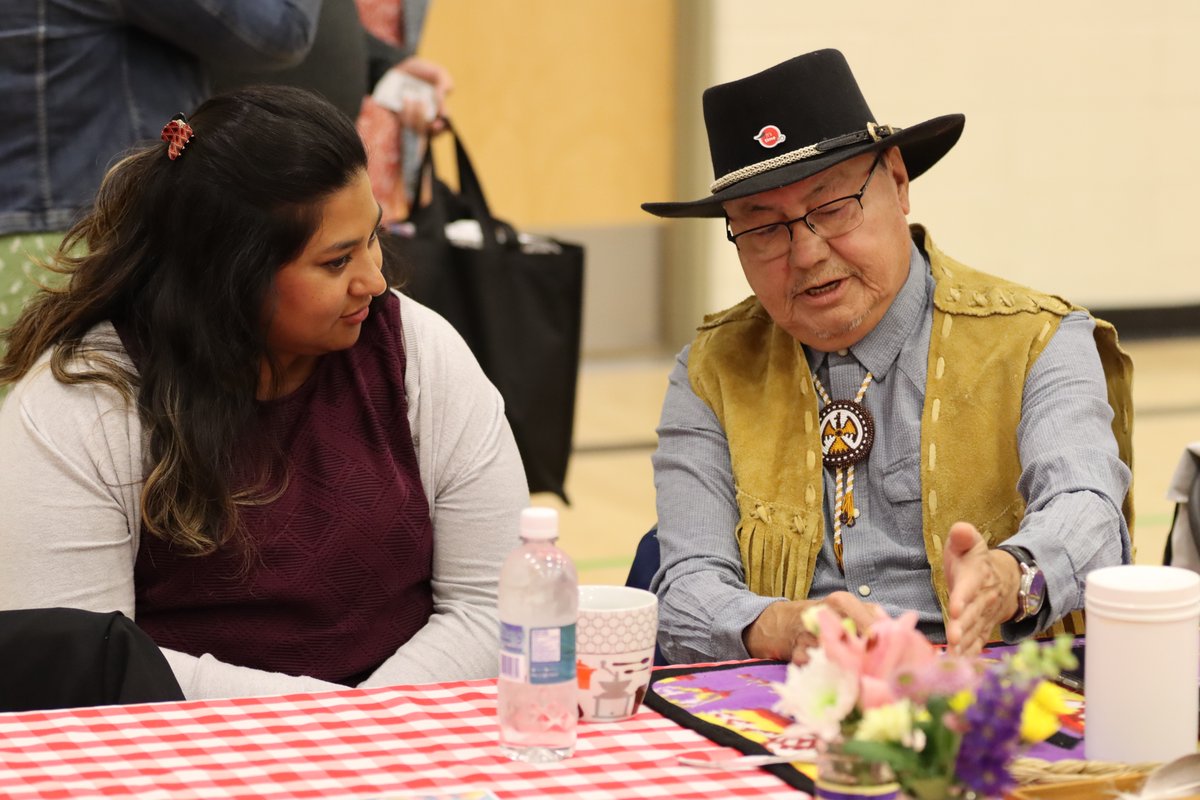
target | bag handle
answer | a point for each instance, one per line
(469, 187)
(470, 192)
(435, 214)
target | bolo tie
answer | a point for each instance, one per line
(847, 433)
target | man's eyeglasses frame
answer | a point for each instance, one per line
(824, 207)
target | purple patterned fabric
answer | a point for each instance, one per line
(741, 700)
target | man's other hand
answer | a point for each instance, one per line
(779, 631)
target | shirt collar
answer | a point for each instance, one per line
(878, 350)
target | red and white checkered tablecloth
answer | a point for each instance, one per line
(401, 742)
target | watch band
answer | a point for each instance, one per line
(1031, 594)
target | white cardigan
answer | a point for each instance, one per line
(70, 487)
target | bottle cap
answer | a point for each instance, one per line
(539, 523)
(1143, 592)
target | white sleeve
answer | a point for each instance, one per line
(70, 479)
(475, 483)
(205, 678)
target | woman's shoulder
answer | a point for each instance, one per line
(101, 349)
(421, 318)
(100, 346)
(90, 411)
(445, 384)
(430, 342)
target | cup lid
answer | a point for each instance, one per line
(1143, 586)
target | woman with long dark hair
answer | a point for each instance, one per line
(225, 425)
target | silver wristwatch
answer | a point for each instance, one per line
(1031, 594)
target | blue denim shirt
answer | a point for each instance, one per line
(81, 81)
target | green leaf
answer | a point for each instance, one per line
(900, 759)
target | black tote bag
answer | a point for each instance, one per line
(517, 301)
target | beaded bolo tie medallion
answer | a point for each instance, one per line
(847, 433)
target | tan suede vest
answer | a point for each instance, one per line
(986, 335)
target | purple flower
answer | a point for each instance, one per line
(993, 732)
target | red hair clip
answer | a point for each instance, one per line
(177, 133)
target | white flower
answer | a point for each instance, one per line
(810, 619)
(818, 695)
(890, 723)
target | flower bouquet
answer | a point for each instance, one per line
(890, 709)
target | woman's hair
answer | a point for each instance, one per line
(181, 255)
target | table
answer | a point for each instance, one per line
(398, 742)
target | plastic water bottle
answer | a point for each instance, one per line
(539, 603)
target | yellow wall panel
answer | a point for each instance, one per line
(566, 106)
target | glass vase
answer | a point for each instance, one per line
(937, 789)
(847, 776)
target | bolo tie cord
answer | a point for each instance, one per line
(844, 512)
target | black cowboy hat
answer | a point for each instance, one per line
(794, 120)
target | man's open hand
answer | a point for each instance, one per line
(983, 588)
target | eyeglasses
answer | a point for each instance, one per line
(828, 220)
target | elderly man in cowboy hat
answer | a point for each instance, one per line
(878, 426)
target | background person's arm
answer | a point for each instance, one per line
(235, 33)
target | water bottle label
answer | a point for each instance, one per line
(512, 653)
(537, 655)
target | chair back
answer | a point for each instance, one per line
(646, 560)
(68, 658)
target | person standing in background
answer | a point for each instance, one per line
(84, 81)
(394, 141)
(336, 66)
(359, 44)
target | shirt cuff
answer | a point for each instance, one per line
(1014, 632)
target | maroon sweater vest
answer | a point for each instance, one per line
(342, 560)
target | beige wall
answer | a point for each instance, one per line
(564, 104)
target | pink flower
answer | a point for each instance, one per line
(946, 675)
(889, 646)
(896, 644)
(841, 645)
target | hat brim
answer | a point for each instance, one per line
(921, 145)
